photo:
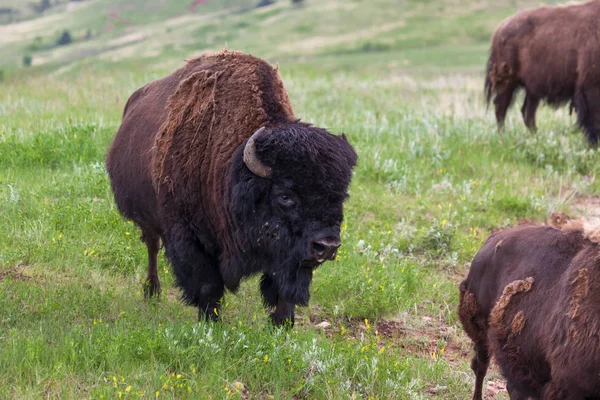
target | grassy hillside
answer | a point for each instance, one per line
(408, 33)
(403, 79)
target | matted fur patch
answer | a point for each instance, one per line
(590, 228)
(513, 288)
(581, 288)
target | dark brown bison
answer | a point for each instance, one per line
(212, 160)
(554, 54)
(532, 300)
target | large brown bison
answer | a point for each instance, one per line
(532, 300)
(212, 160)
(554, 54)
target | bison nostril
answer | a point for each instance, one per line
(325, 249)
(318, 248)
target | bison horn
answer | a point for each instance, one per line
(250, 158)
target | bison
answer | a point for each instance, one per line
(554, 54)
(532, 300)
(211, 161)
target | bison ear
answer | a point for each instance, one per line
(345, 137)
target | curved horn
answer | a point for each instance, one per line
(250, 158)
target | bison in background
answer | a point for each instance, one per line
(532, 300)
(554, 54)
(212, 160)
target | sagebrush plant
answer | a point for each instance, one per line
(434, 179)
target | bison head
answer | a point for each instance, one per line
(289, 185)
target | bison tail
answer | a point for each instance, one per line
(488, 82)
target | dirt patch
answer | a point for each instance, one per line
(589, 206)
(494, 388)
(16, 273)
(425, 337)
(368, 217)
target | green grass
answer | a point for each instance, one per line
(434, 178)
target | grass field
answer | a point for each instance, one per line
(403, 79)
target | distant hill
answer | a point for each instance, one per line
(127, 30)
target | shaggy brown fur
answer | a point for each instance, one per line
(230, 93)
(554, 352)
(553, 53)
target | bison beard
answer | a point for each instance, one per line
(231, 182)
(552, 53)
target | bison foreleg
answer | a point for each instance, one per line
(284, 311)
(502, 101)
(587, 105)
(196, 272)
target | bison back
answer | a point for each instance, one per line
(129, 158)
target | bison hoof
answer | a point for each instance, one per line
(285, 321)
(209, 313)
(151, 288)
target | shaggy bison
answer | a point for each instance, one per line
(554, 53)
(532, 300)
(212, 161)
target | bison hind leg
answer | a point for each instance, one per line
(152, 283)
(587, 105)
(474, 325)
(528, 111)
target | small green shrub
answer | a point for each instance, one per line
(65, 38)
(27, 60)
(264, 3)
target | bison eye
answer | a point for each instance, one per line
(285, 201)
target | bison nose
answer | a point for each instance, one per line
(325, 249)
